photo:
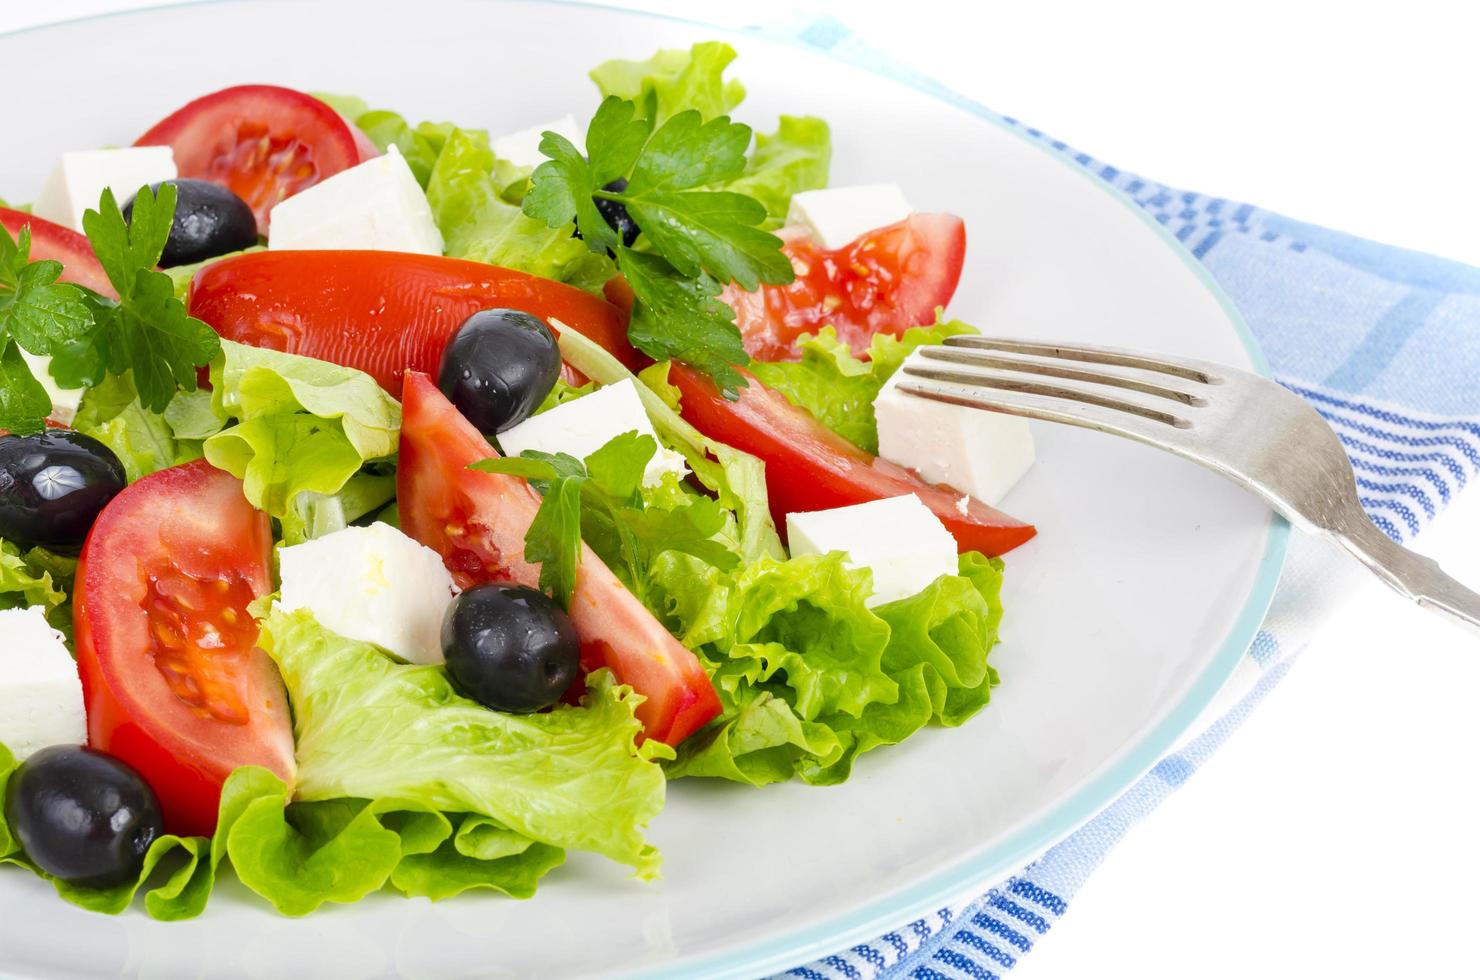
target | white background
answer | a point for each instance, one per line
(1336, 833)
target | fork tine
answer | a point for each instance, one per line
(1193, 371)
(1048, 368)
(1068, 391)
(1046, 402)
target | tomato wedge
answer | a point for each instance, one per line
(810, 467)
(382, 312)
(477, 522)
(264, 142)
(171, 676)
(889, 279)
(52, 241)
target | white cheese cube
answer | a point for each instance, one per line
(982, 454)
(581, 427)
(372, 584)
(835, 216)
(80, 178)
(64, 401)
(376, 205)
(899, 539)
(40, 691)
(522, 149)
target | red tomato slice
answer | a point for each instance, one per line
(890, 279)
(382, 312)
(171, 676)
(264, 142)
(810, 467)
(477, 522)
(53, 241)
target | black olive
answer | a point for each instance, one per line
(53, 486)
(82, 816)
(498, 368)
(615, 212)
(509, 647)
(209, 221)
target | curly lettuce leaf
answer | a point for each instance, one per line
(810, 678)
(313, 515)
(24, 583)
(368, 727)
(838, 387)
(300, 856)
(602, 501)
(478, 223)
(737, 479)
(144, 441)
(674, 80)
(38, 577)
(794, 158)
(177, 874)
(302, 425)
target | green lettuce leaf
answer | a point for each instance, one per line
(368, 727)
(38, 577)
(302, 426)
(300, 856)
(794, 158)
(674, 80)
(602, 501)
(143, 441)
(24, 583)
(838, 387)
(177, 873)
(478, 224)
(737, 479)
(810, 678)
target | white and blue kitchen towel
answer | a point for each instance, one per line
(1385, 343)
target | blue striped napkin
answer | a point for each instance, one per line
(1384, 343)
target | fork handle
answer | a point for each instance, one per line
(1407, 572)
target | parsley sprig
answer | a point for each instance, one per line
(696, 240)
(39, 315)
(601, 501)
(146, 332)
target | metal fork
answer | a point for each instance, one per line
(1245, 427)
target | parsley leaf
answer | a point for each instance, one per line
(601, 501)
(682, 319)
(38, 314)
(148, 331)
(24, 404)
(554, 538)
(695, 241)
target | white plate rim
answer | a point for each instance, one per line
(781, 952)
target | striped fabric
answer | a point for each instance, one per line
(1385, 343)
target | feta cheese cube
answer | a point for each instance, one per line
(372, 584)
(980, 453)
(522, 149)
(64, 401)
(581, 427)
(80, 178)
(377, 205)
(40, 691)
(899, 539)
(837, 215)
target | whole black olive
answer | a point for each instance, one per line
(82, 816)
(509, 647)
(498, 367)
(53, 486)
(209, 221)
